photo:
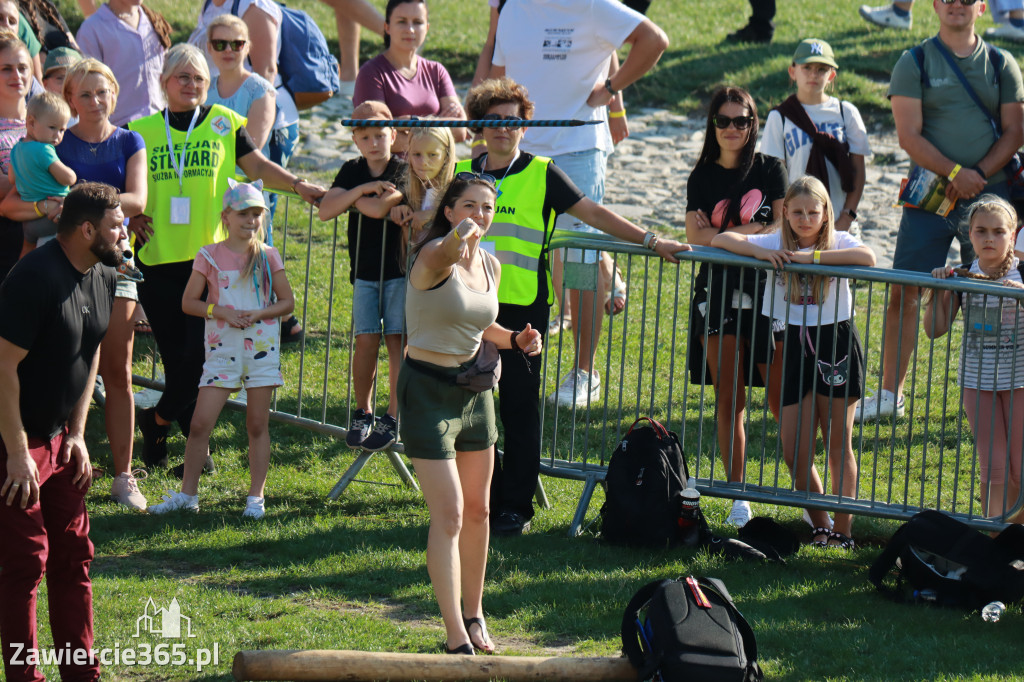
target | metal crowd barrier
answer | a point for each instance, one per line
(926, 459)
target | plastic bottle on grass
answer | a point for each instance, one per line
(926, 596)
(993, 612)
(689, 514)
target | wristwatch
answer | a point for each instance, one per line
(609, 88)
(850, 212)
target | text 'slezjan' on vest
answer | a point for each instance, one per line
(520, 232)
(209, 160)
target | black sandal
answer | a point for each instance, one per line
(288, 333)
(842, 541)
(466, 649)
(820, 530)
(469, 622)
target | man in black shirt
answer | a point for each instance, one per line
(54, 308)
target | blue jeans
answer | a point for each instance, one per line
(923, 240)
(282, 145)
(586, 169)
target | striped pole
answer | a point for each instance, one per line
(433, 123)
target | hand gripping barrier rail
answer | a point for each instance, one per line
(926, 459)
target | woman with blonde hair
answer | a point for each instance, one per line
(186, 185)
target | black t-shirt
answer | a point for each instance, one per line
(377, 235)
(59, 315)
(181, 120)
(713, 189)
(560, 195)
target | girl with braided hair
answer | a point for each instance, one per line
(992, 353)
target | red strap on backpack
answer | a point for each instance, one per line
(656, 425)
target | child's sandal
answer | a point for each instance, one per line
(841, 541)
(826, 533)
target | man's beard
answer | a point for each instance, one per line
(108, 254)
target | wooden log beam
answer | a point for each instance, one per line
(363, 666)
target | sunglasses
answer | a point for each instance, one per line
(740, 122)
(511, 121)
(221, 45)
(467, 175)
(965, 3)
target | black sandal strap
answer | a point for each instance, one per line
(844, 541)
(484, 635)
(465, 649)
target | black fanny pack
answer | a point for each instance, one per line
(480, 374)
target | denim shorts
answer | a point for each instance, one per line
(371, 306)
(922, 243)
(586, 169)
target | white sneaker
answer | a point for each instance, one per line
(149, 397)
(125, 490)
(557, 324)
(740, 514)
(807, 520)
(1007, 32)
(884, 15)
(176, 500)
(254, 508)
(884, 404)
(577, 388)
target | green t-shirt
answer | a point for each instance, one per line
(951, 120)
(27, 36)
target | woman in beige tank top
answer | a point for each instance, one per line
(449, 432)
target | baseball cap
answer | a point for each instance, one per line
(243, 195)
(814, 51)
(60, 58)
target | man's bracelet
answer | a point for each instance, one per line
(977, 169)
(953, 173)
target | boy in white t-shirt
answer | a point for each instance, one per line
(839, 164)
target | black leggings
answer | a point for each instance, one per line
(179, 338)
(515, 478)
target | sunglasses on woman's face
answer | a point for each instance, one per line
(511, 122)
(467, 175)
(221, 45)
(739, 122)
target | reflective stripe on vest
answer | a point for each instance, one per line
(519, 232)
(209, 162)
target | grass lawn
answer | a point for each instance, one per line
(351, 574)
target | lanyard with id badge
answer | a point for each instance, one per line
(181, 206)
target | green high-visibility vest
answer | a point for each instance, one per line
(520, 232)
(208, 163)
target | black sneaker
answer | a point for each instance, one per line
(383, 435)
(154, 439)
(750, 34)
(509, 523)
(208, 468)
(359, 428)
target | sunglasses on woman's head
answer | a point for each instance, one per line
(467, 175)
(221, 45)
(511, 122)
(740, 122)
(965, 3)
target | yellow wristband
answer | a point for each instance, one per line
(817, 256)
(209, 312)
(35, 205)
(458, 237)
(477, 143)
(617, 114)
(952, 173)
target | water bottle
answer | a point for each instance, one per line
(689, 514)
(926, 596)
(992, 612)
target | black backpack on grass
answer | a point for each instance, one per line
(964, 567)
(645, 475)
(689, 629)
